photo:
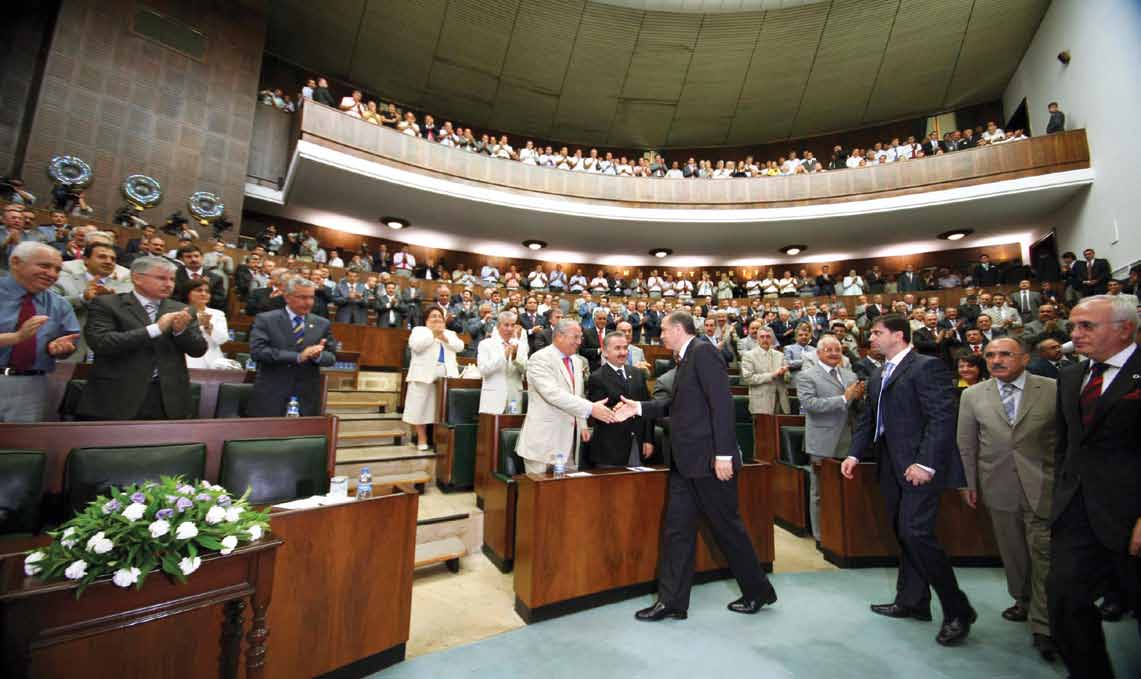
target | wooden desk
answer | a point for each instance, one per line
(161, 630)
(590, 540)
(855, 530)
(790, 484)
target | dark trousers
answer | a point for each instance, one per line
(1081, 569)
(689, 499)
(923, 565)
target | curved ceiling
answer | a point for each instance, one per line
(594, 72)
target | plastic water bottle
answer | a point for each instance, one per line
(364, 484)
(251, 365)
(513, 407)
(294, 408)
(560, 464)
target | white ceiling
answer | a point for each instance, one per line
(594, 72)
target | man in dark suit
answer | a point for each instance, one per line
(626, 443)
(1096, 518)
(634, 318)
(190, 256)
(531, 321)
(270, 297)
(910, 425)
(702, 480)
(141, 340)
(1091, 274)
(1050, 360)
(135, 246)
(985, 274)
(389, 309)
(908, 281)
(652, 324)
(591, 347)
(867, 365)
(825, 284)
(290, 346)
(351, 298)
(411, 298)
(546, 337)
(928, 340)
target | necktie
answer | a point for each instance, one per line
(1091, 393)
(622, 374)
(1008, 391)
(1025, 300)
(23, 355)
(298, 330)
(974, 348)
(195, 276)
(570, 370)
(152, 311)
(440, 358)
(887, 369)
(836, 376)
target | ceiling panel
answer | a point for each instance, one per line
(997, 37)
(319, 36)
(645, 123)
(661, 57)
(397, 42)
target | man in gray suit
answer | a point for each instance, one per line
(1006, 434)
(98, 278)
(1026, 301)
(829, 395)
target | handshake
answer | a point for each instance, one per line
(619, 413)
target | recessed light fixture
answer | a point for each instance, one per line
(661, 252)
(535, 244)
(793, 249)
(956, 234)
(395, 223)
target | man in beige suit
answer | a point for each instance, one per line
(1006, 434)
(556, 409)
(762, 370)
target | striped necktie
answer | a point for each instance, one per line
(1091, 393)
(1008, 392)
(298, 330)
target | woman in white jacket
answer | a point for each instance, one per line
(434, 350)
(211, 322)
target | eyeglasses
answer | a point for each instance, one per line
(1001, 354)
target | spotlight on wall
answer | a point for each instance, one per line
(1064, 57)
(793, 249)
(661, 252)
(395, 223)
(535, 244)
(956, 234)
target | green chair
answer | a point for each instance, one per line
(461, 420)
(69, 404)
(743, 422)
(21, 485)
(91, 472)
(233, 400)
(792, 446)
(662, 366)
(510, 464)
(500, 503)
(275, 469)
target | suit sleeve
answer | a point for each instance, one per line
(190, 341)
(488, 361)
(864, 430)
(101, 334)
(420, 339)
(596, 391)
(328, 357)
(543, 377)
(714, 382)
(261, 345)
(810, 402)
(936, 412)
(967, 435)
(750, 376)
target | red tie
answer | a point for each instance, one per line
(195, 276)
(1091, 393)
(570, 370)
(23, 355)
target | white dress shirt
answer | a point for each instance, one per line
(1115, 362)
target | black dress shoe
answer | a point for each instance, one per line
(1045, 647)
(1016, 613)
(750, 606)
(660, 611)
(955, 630)
(900, 611)
(1111, 611)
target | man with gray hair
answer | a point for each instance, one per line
(502, 362)
(141, 340)
(268, 298)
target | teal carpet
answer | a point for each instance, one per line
(820, 628)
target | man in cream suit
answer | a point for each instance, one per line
(1006, 434)
(97, 278)
(502, 361)
(763, 369)
(556, 409)
(829, 395)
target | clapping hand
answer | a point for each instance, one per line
(30, 328)
(62, 346)
(311, 352)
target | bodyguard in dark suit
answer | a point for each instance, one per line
(141, 340)
(290, 346)
(702, 480)
(910, 425)
(1091, 275)
(621, 443)
(1096, 519)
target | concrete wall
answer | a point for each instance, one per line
(1099, 91)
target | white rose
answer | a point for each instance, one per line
(30, 567)
(134, 511)
(66, 539)
(217, 488)
(125, 577)
(76, 570)
(189, 565)
(99, 544)
(159, 528)
(215, 515)
(255, 532)
(186, 530)
(233, 514)
(229, 543)
(205, 484)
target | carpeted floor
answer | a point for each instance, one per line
(820, 628)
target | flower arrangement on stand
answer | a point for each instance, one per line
(166, 525)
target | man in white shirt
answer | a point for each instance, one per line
(489, 274)
(558, 280)
(403, 262)
(336, 260)
(502, 362)
(578, 282)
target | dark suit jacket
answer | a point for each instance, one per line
(864, 368)
(1099, 273)
(217, 286)
(652, 324)
(700, 411)
(919, 421)
(1102, 462)
(243, 278)
(926, 342)
(591, 347)
(126, 357)
(322, 298)
(280, 376)
(1044, 368)
(259, 301)
(389, 311)
(985, 277)
(908, 282)
(610, 443)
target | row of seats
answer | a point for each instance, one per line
(233, 399)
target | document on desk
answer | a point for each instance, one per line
(641, 469)
(577, 474)
(315, 501)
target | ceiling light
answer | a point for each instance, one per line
(793, 249)
(661, 252)
(395, 223)
(956, 234)
(535, 244)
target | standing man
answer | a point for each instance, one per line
(351, 298)
(1091, 274)
(1006, 439)
(592, 335)
(98, 278)
(1050, 360)
(403, 262)
(389, 309)
(1026, 301)
(1096, 519)
(193, 267)
(829, 397)
(141, 340)
(635, 356)
(763, 370)
(702, 479)
(556, 409)
(290, 346)
(37, 327)
(910, 424)
(652, 323)
(618, 444)
(502, 362)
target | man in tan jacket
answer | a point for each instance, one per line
(763, 369)
(1006, 435)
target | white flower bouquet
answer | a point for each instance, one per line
(165, 525)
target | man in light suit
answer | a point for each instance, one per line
(910, 425)
(1026, 301)
(502, 361)
(829, 397)
(351, 299)
(763, 370)
(556, 408)
(290, 346)
(1006, 436)
(98, 278)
